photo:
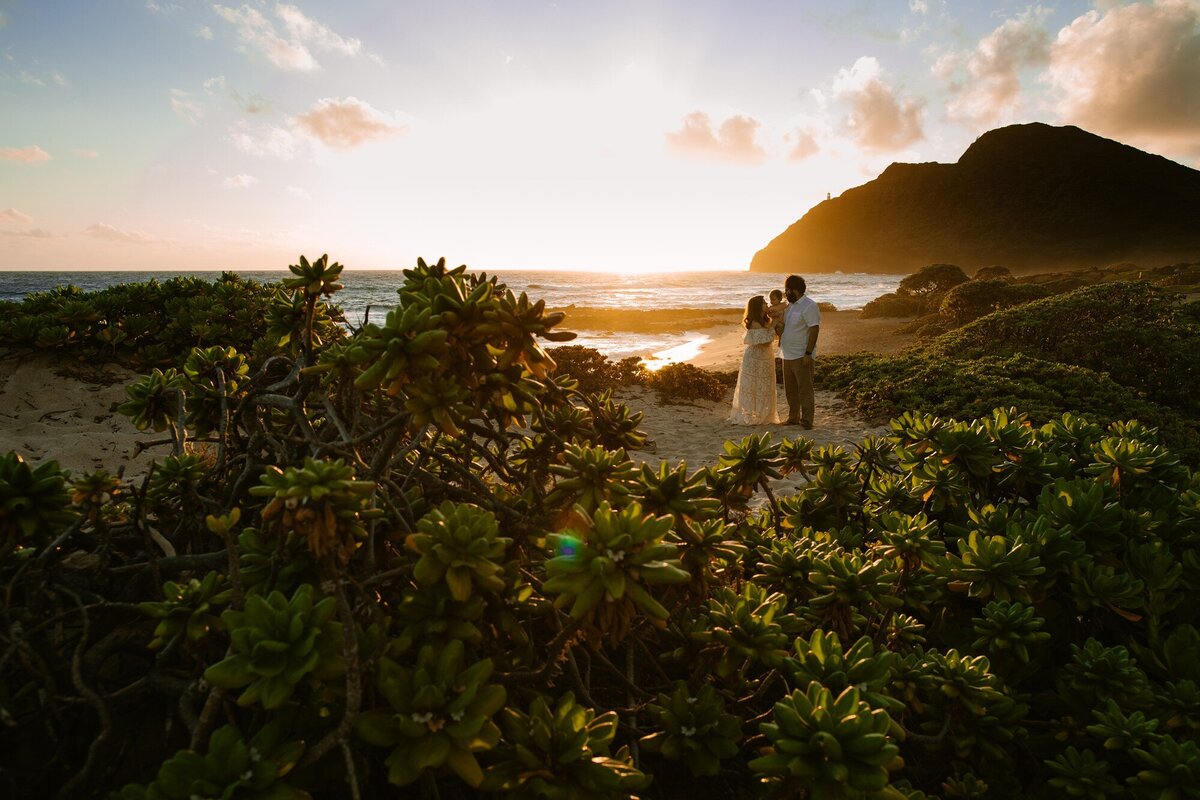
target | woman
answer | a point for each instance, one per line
(754, 397)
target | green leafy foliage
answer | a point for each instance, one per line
(275, 644)
(562, 751)
(232, 767)
(33, 501)
(448, 578)
(438, 714)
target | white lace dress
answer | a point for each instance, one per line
(754, 396)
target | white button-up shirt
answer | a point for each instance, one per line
(797, 319)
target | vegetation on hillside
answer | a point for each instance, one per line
(1111, 351)
(352, 573)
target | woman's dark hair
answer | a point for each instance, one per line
(756, 312)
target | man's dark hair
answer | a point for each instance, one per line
(795, 282)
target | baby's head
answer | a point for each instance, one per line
(776, 297)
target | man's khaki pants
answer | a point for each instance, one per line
(798, 385)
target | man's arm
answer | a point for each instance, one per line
(813, 332)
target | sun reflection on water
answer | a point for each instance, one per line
(674, 355)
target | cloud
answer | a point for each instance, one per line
(102, 230)
(14, 216)
(86, 153)
(289, 49)
(345, 124)
(986, 82)
(804, 145)
(877, 119)
(258, 33)
(306, 29)
(204, 32)
(24, 155)
(54, 76)
(918, 6)
(185, 107)
(242, 181)
(1133, 72)
(264, 140)
(297, 191)
(733, 142)
(253, 104)
(29, 233)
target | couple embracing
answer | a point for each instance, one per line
(797, 324)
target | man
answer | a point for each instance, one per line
(797, 344)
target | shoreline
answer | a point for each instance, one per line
(842, 333)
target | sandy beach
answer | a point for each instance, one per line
(66, 410)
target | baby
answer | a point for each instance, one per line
(776, 309)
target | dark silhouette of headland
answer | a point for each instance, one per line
(1031, 197)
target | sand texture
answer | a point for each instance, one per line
(696, 432)
(67, 411)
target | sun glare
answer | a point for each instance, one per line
(677, 354)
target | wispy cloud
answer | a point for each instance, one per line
(733, 141)
(877, 119)
(184, 106)
(297, 191)
(204, 32)
(28, 233)
(1132, 71)
(24, 155)
(102, 230)
(986, 81)
(264, 140)
(292, 47)
(86, 153)
(13, 216)
(252, 104)
(241, 181)
(42, 79)
(345, 124)
(257, 33)
(305, 29)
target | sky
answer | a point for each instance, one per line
(629, 135)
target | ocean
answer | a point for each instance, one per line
(373, 292)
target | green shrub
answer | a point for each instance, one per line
(458, 581)
(686, 382)
(1133, 332)
(976, 298)
(995, 272)
(892, 305)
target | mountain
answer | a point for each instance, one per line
(1027, 197)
